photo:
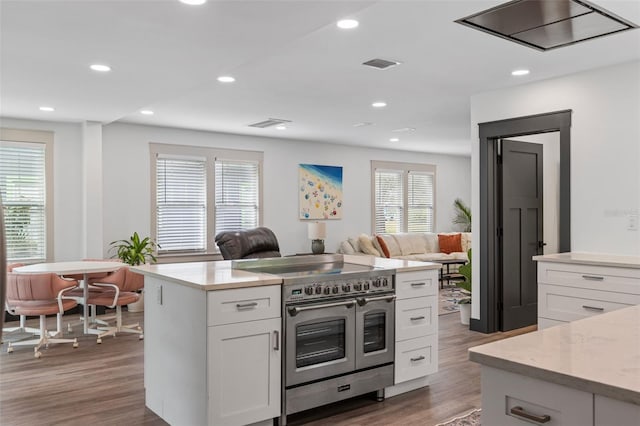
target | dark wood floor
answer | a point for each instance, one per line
(103, 385)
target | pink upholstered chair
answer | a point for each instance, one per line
(39, 295)
(119, 288)
(22, 328)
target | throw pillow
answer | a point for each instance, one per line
(450, 243)
(392, 245)
(346, 248)
(366, 246)
(355, 244)
(383, 246)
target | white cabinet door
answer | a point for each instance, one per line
(244, 372)
(610, 412)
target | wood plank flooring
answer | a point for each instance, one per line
(103, 385)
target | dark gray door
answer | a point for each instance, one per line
(521, 183)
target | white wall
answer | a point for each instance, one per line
(67, 184)
(605, 151)
(126, 181)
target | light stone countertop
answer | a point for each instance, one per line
(400, 265)
(594, 259)
(600, 354)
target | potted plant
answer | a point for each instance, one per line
(135, 251)
(463, 215)
(465, 302)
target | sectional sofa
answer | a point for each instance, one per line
(411, 246)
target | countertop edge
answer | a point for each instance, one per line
(211, 287)
(590, 259)
(579, 383)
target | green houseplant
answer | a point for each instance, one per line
(465, 302)
(462, 215)
(134, 251)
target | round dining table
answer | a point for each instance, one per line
(84, 267)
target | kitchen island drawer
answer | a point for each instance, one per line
(570, 304)
(510, 399)
(243, 304)
(416, 358)
(416, 284)
(623, 280)
(416, 317)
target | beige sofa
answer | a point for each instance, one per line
(410, 246)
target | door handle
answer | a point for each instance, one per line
(419, 358)
(593, 278)
(418, 284)
(364, 300)
(246, 305)
(593, 308)
(276, 340)
(520, 412)
(295, 310)
(417, 318)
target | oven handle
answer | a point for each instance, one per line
(364, 300)
(295, 310)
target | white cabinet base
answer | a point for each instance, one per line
(403, 387)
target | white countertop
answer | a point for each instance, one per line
(594, 259)
(218, 275)
(600, 354)
(70, 268)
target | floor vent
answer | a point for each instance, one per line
(269, 123)
(381, 64)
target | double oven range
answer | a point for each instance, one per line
(338, 328)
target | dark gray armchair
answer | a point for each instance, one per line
(248, 244)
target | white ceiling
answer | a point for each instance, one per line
(289, 59)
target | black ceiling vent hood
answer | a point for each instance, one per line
(547, 24)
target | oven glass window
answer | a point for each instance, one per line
(374, 332)
(320, 342)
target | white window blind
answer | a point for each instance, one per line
(237, 195)
(181, 210)
(420, 202)
(389, 215)
(23, 191)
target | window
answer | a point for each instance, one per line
(199, 192)
(25, 187)
(404, 197)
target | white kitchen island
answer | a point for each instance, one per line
(586, 372)
(213, 339)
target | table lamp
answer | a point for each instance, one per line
(317, 232)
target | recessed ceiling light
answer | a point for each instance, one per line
(193, 2)
(281, 127)
(394, 140)
(379, 104)
(100, 67)
(520, 72)
(47, 108)
(226, 79)
(146, 112)
(347, 24)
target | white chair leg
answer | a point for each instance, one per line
(44, 339)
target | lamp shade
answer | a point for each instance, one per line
(317, 230)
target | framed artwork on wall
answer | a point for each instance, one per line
(320, 192)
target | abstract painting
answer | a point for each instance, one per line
(320, 189)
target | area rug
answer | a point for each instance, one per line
(448, 300)
(469, 419)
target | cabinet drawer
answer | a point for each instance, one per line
(416, 317)
(503, 392)
(570, 304)
(416, 284)
(622, 280)
(416, 358)
(243, 304)
(546, 323)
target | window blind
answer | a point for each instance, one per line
(420, 202)
(181, 204)
(237, 195)
(23, 191)
(389, 201)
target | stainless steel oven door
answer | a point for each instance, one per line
(375, 330)
(319, 340)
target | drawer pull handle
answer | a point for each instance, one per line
(417, 318)
(420, 358)
(519, 411)
(593, 308)
(593, 278)
(418, 284)
(249, 305)
(276, 338)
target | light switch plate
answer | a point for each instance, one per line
(632, 222)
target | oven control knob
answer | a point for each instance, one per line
(318, 290)
(335, 289)
(357, 286)
(376, 282)
(385, 282)
(366, 285)
(308, 290)
(327, 290)
(346, 288)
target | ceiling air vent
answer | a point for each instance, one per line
(269, 123)
(381, 64)
(545, 24)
